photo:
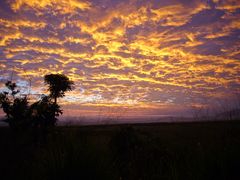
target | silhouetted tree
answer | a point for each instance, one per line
(45, 112)
(58, 84)
(16, 108)
(41, 114)
(44, 117)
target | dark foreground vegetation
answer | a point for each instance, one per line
(176, 151)
(42, 114)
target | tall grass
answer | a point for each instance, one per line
(147, 152)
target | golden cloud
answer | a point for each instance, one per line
(67, 6)
(126, 54)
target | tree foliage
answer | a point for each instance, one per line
(16, 108)
(42, 113)
(58, 84)
(45, 112)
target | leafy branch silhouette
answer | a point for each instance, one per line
(42, 113)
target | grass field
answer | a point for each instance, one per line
(176, 151)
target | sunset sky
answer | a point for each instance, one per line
(148, 57)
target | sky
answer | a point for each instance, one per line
(135, 57)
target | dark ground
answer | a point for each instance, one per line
(177, 151)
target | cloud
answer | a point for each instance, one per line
(61, 5)
(153, 53)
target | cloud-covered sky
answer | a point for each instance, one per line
(154, 56)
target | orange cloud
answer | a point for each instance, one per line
(67, 6)
(125, 54)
